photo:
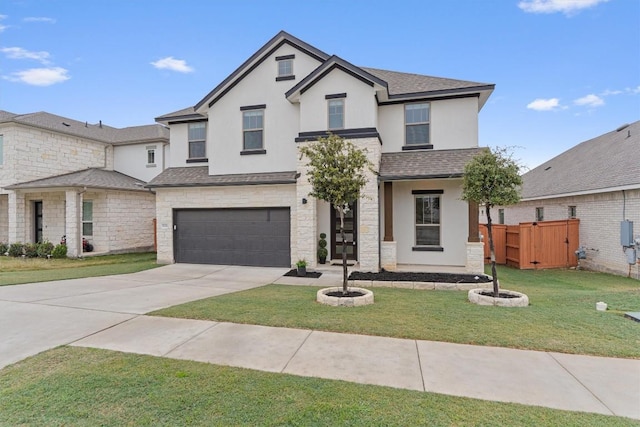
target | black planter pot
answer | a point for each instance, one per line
(302, 271)
(322, 260)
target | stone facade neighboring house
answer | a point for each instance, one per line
(598, 182)
(61, 177)
(236, 190)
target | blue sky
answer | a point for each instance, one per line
(565, 70)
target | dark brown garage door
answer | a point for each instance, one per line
(254, 237)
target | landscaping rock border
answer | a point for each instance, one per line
(365, 299)
(518, 299)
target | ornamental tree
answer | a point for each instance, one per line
(492, 178)
(337, 175)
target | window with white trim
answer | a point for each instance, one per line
(427, 220)
(335, 114)
(539, 214)
(500, 216)
(416, 119)
(197, 140)
(151, 155)
(285, 67)
(252, 129)
(572, 212)
(87, 217)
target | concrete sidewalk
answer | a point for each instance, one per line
(562, 381)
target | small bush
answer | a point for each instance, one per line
(3, 248)
(16, 249)
(44, 249)
(31, 250)
(59, 251)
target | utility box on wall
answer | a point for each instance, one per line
(626, 233)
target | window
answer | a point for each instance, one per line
(416, 118)
(197, 140)
(572, 212)
(336, 113)
(427, 220)
(500, 216)
(1, 150)
(539, 214)
(252, 129)
(285, 67)
(151, 155)
(87, 218)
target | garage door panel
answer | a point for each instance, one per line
(252, 237)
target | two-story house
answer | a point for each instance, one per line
(61, 177)
(236, 191)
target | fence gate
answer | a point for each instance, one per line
(530, 245)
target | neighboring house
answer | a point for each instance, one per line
(236, 191)
(64, 177)
(598, 182)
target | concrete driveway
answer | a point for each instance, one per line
(40, 316)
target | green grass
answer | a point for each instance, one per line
(87, 387)
(15, 271)
(561, 317)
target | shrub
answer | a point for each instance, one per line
(59, 251)
(44, 249)
(16, 249)
(31, 250)
(3, 248)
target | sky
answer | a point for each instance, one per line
(565, 71)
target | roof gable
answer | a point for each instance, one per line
(607, 162)
(256, 59)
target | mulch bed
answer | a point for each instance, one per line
(310, 274)
(400, 276)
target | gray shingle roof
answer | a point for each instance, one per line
(427, 164)
(408, 83)
(185, 114)
(97, 132)
(90, 178)
(199, 176)
(608, 161)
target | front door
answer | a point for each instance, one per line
(350, 232)
(37, 226)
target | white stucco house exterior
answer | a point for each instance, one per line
(236, 190)
(59, 176)
(598, 182)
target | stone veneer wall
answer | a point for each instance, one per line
(599, 215)
(248, 196)
(4, 218)
(31, 153)
(307, 218)
(129, 218)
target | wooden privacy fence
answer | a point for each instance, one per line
(530, 245)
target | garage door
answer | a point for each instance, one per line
(253, 237)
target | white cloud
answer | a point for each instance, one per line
(590, 100)
(39, 19)
(610, 92)
(568, 7)
(20, 53)
(40, 76)
(540, 104)
(170, 63)
(3, 27)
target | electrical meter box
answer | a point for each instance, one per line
(626, 233)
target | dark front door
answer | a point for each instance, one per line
(253, 237)
(350, 232)
(37, 226)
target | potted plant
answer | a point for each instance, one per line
(322, 249)
(302, 267)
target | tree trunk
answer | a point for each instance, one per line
(344, 251)
(492, 251)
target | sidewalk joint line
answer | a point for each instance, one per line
(214, 324)
(286, 365)
(135, 316)
(582, 384)
(424, 387)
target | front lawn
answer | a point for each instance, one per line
(15, 271)
(79, 386)
(562, 315)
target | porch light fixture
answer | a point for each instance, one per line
(304, 201)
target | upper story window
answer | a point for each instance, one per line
(572, 212)
(336, 113)
(253, 130)
(285, 67)
(416, 119)
(197, 140)
(151, 156)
